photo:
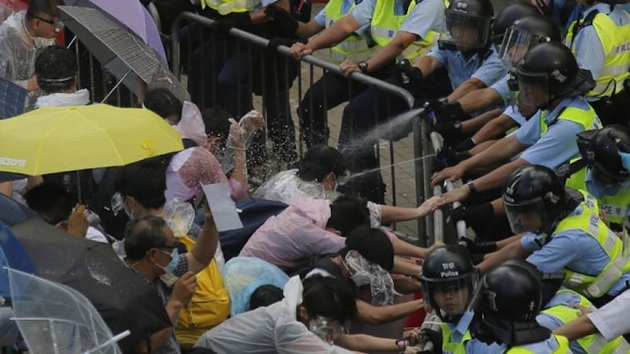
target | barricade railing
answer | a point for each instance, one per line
(308, 72)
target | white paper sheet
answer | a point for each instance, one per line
(222, 206)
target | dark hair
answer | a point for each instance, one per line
(373, 245)
(52, 199)
(143, 234)
(329, 297)
(348, 213)
(56, 69)
(320, 161)
(265, 295)
(163, 103)
(145, 181)
(39, 7)
(216, 120)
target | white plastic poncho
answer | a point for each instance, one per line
(268, 330)
(17, 52)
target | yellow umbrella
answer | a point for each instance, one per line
(59, 139)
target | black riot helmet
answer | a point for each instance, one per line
(533, 198)
(523, 35)
(467, 25)
(509, 299)
(601, 148)
(508, 16)
(550, 71)
(448, 281)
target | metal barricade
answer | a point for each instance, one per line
(185, 47)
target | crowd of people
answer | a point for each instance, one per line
(533, 106)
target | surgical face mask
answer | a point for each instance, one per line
(41, 42)
(168, 277)
(600, 190)
(360, 279)
(327, 329)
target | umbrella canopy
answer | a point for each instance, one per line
(13, 212)
(60, 139)
(12, 255)
(124, 299)
(12, 99)
(62, 322)
(132, 15)
(120, 51)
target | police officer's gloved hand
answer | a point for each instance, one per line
(465, 145)
(235, 19)
(282, 19)
(478, 248)
(474, 213)
(448, 129)
(435, 338)
(448, 111)
(449, 157)
(412, 73)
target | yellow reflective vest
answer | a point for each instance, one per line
(355, 47)
(224, 7)
(450, 347)
(586, 118)
(563, 347)
(616, 46)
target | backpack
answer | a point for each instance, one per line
(253, 213)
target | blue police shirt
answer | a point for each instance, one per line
(425, 16)
(565, 298)
(501, 87)
(558, 145)
(573, 249)
(515, 115)
(320, 18)
(460, 69)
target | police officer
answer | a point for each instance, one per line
(448, 280)
(509, 299)
(604, 177)
(548, 79)
(599, 40)
(563, 232)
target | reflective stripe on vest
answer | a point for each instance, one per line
(586, 118)
(563, 347)
(355, 47)
(224, 7)
(595, 286)
(593, 343)
(385, 24)
(614, 206)
(450, 347)
(616, 45)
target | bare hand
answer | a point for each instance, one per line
(452, 173)
(77, 222)
(185, 288)
(604, 217)
(253, 121)
(428, 206)
(237, 136)
(31, 84)
(298, 50)
(456, 195)
(348, 67)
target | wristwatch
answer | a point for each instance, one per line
(363, 66)
(471, 187)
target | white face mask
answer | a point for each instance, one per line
(41, 42)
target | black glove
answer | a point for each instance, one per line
(449, 157)
(435, 338)
(282, 19)
(409, 72)
(465, 145)
(445, 112)
(447, 129)
(473, 213)
(235, 19)
(478, 248)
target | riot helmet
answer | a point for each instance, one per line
(448, 281)
(508, 16)
(533, 198)
(523, 35)
(549, 71)
(467, 25)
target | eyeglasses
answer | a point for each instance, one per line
(175, 245)
(52, 21)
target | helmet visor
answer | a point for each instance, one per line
(533, 89)
(450, 298)
(465, 32)
(526, 218)
(515, 45)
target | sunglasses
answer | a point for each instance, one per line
(52, 21)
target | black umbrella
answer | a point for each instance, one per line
(13, 212)
(120, 51)
(12, 99)
(121, 296)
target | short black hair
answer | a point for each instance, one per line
(265, 295)
(217, 123)
(56, 69)
(39, 7)
(163, 103)
(52, 199)
(372, 244)
(347, 213)
(143, 234)
(329, 297)
(319, 161)
(145, 181)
